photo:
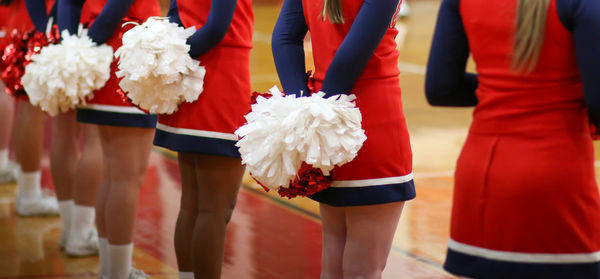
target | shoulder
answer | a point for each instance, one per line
(573, 12)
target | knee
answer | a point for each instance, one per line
(219, 212)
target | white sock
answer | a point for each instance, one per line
(186, 275)
(3, 158)
(65, 209)
(83, 221)
(103, 251)
(30, 184)
(119, 260)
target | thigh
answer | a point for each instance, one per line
(369, 236)
(126, 150)
(218, 179)
(189, 186)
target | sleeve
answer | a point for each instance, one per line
(108, 20)
(213, 32)
(581, 17)
(37, 12)
(173, 13)
(446, 82)
(69, 15)
(287, 45)
(351, 58)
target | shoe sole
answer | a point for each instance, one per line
(21, 214)
(78, 253)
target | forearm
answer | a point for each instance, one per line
(287, 45)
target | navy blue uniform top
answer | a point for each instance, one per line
(447, 83)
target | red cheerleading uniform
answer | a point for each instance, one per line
(382, 170)
(107, 106)
(16, 17)
(208, 124)
(13, 16)
(526, 203)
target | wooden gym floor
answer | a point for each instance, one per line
(271, 237)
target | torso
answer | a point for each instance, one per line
(239, 34)
(327, 37)
(550, 97)
(140, 9)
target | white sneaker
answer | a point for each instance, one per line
(62, 241)
(404, 9)
(83, 247)
(45, 205)
(8, 174)
(137, 274)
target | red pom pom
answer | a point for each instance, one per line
(12, 66)
(256, 94)
(309, 181)
(17, 54)
(128, 101)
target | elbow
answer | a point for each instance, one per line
(216, 35)
(435, 100)
(435, 95)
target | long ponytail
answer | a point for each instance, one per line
(332, 9)
(529, 35)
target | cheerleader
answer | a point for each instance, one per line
(526, 203)
(354, 53)
(202, 132)
(78, 236)
(125, 133)
(28, 134)
(7, 104)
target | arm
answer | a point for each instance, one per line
(353, 55)
(37, 12)
(69, 15)
(287, 44)
(581, 17)
(446, 83)
(108, 20)
(173, 13)
(213, 32)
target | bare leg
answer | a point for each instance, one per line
(88, 174)
(126, 152)
(28, 146)
(370, 232)
(83, 238)
(29, 136)
(7, 108)
(188, 211)
(64, 153)
(334, 239)
(218, 182)
(126, 158)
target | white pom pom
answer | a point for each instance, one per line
(158, 73)
(282, 132)
(62, 76)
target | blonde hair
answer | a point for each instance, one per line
(332, 9)
(529, 36)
